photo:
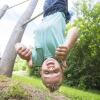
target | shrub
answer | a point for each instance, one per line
(84, 58)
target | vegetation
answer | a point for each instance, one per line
(71, 93)
(20, 64)
(16, 89)
(84, 58)
(10, 89)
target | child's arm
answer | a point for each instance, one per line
(63, 49)
(24, 53)
(71, 37)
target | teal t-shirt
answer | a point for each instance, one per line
(48, 36)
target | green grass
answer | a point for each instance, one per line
(77, 94)
(34, 81)
(74, 94)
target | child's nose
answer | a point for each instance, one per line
(51, 68)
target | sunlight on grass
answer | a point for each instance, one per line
(79, 94)
(34, 81)
(73, 93)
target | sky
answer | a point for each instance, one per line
(9, 20)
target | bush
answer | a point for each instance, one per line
(84, 58)
(34, 71)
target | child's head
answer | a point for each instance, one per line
(51, 74)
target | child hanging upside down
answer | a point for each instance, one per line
(51, 46)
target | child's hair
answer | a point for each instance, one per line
(52, 87)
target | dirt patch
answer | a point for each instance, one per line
(15, 90)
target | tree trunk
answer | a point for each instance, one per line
(3, 10)
(8, 58)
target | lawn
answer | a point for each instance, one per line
(74, 94)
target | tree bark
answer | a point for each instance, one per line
(8, 58)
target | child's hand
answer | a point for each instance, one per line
(61, 52)
(23, 52)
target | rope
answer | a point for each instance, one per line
(6, 7)
(3, 10)
(32, 18)
(18, 4)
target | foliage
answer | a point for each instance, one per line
(34, 71)
(84, 58)
(20, 64)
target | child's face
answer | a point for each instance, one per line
(51, 72)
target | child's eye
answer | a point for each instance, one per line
(46, 72)
(56, 71)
